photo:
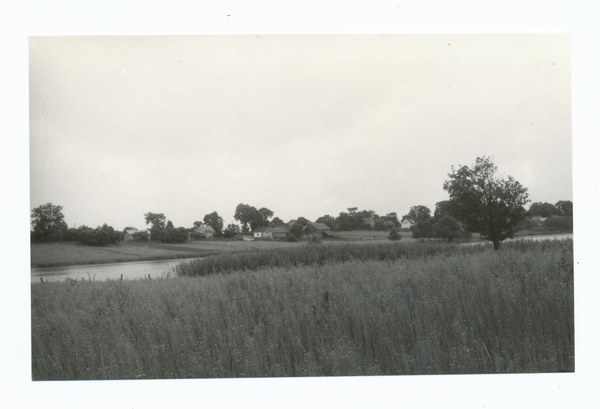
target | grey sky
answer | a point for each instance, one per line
(305, 125)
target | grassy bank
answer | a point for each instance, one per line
(318, 255)
(482, 311)
(66, 254)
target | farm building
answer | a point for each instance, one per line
(315, 228)
(407, 224)
(207, 231)
(271, 232)
(278, 232)
(538, 219)
(260, 233)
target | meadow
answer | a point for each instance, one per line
(68, 253)
(368, 309)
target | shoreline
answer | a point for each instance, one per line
(119, 261)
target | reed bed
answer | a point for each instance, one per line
(319, 254)
(465, 310)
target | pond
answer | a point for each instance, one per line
(101, 272)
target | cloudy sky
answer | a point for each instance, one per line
(305, 125)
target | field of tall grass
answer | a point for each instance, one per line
(382, 310)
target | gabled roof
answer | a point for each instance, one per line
(131, 231)
(319, 226)
(277, 229)
(260, 230)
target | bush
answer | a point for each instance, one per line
(559, 223)
(447, 228)
(394, 235)
(173, 235)
(422, 230)
(91, 237)
(297, 230)
(71, 234)
(140, 236)
(315, 239)
(291, 238)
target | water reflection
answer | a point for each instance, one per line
(101, 272)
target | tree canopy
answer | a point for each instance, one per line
(48, 223)
(543, 209)
(485, 202)
(418, 214)
(252, 217)
(157, 220)
(215, 221)
(565, 207)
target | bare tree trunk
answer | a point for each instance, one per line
(496, 244)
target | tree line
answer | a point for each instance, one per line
(479, 201)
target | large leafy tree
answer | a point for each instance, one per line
(276, 222)
(48, 223)
(251, 217)
(392, 217)
(245, 215)
(485, 202)
(442, 209)
(418, 214)
(266, 214)
(422, 230)
(543, 209)
(156, 219)
(215, 221)
(447, 228)
(158, 222)
(565, 207)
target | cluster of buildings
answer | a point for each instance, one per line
(279, 232)
(311, 228)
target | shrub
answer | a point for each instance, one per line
(291, 238)
(422, 230)
(297, 230)
(314, 239)
(140, 236)
(97, 237)
(172, 235)
(394, 235)
(559, 223)
(447, 228)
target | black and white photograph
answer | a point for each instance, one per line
(223, 206)
(232, 209)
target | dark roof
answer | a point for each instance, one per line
(319, 226)
(278, 229)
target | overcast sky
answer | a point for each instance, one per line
(305, 125)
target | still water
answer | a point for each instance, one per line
(156, 269)
(101, 272)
